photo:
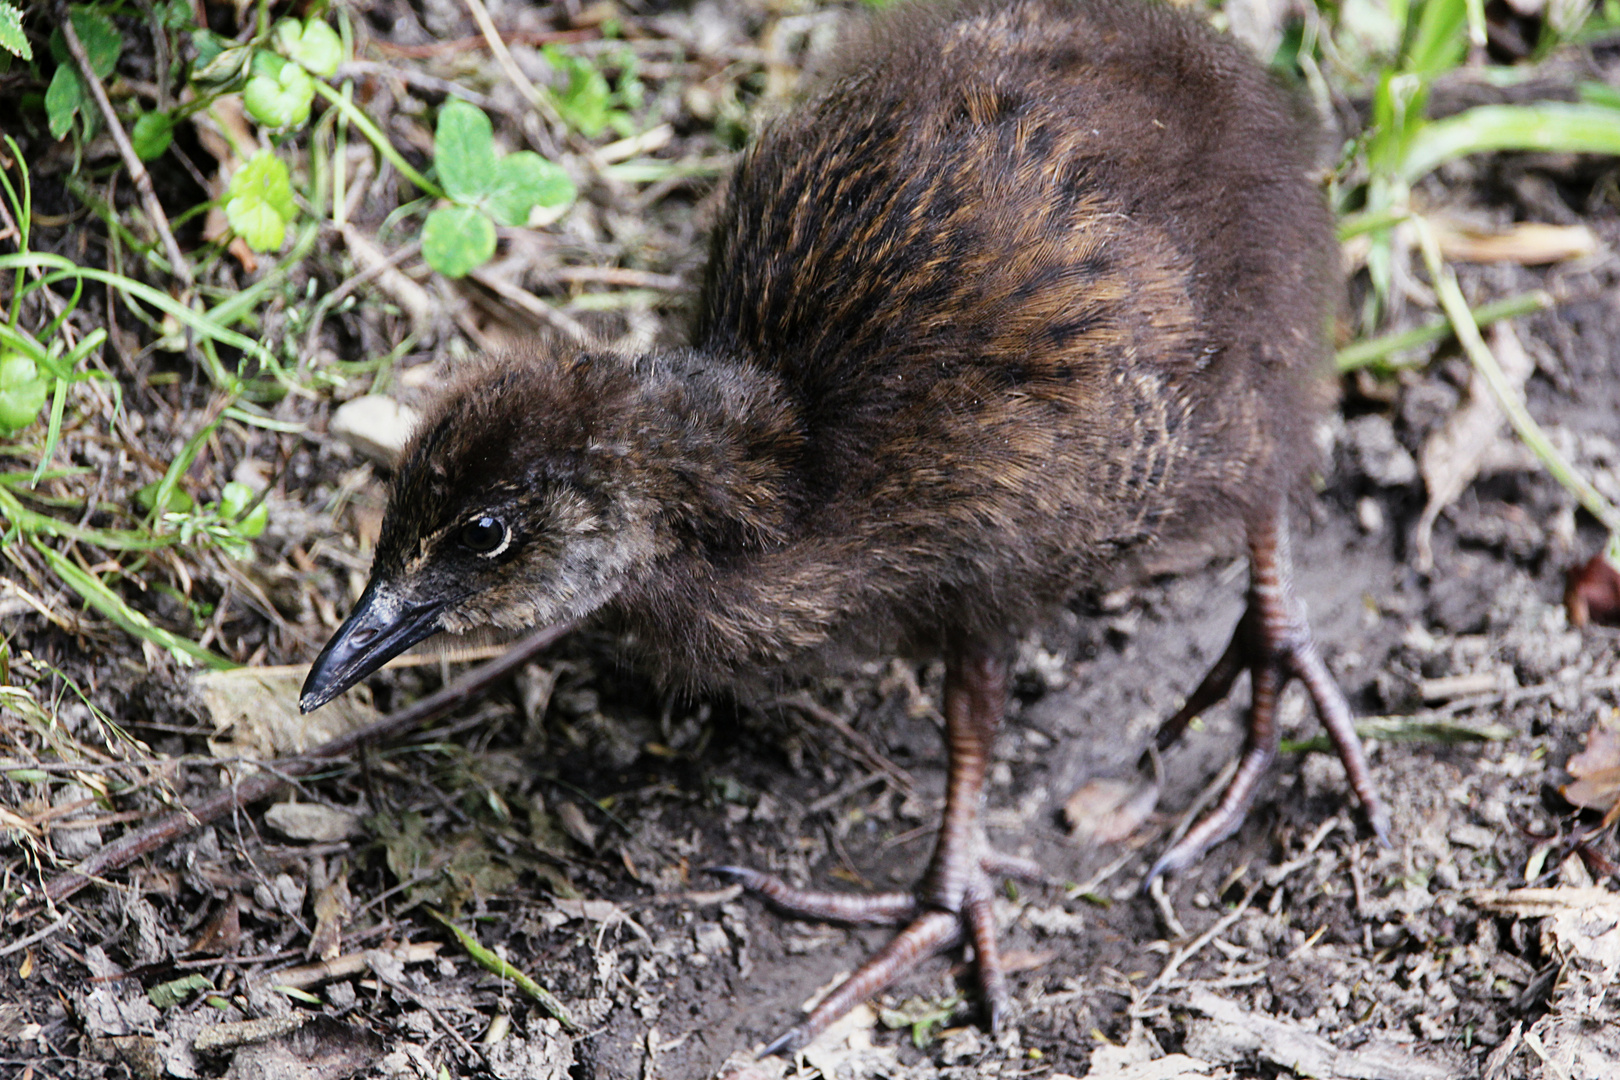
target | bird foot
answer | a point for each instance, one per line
(928, 926)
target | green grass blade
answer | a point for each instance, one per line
(177, 468)
(37, 524)
(378, 139)
(1372, 351)
(1556, 127)
(1438, 42)
(95, 593)
(1451, 300)
(199, 322)
(496, 966)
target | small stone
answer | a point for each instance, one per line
(375, 425)
(1369, 515)
(1383, 460)
(1472, 836)
(311, 822)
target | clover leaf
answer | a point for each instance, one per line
(259, 202)
(313, 45)
(12, 38)
(464, 151)
(151, 135)
(279, 94)
(22, 392)
(457, 240)
(178, 501)
(524, 180)
(235, 498)
(68, 96)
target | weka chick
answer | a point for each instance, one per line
(1026, 286)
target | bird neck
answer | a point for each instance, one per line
(717, 439)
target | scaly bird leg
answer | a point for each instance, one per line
(1273, 641)
(953, 899)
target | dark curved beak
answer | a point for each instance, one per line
(381, 626)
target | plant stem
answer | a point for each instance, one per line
(137, 171)
(378, 139)
(1370, 351)
(1484, 361)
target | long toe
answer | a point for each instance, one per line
(852, 909)
(926, 930)
(930, 933)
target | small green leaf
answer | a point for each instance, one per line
(12, 38)
(464, 151)
(457, 240)
(259, 202)
(235, 498)
(178, 501)
(281, 97)
(175, 14)
(219, 62)
(168, 995)
(151, 135)
(524, 180)
(587, 102)
(63, 100)
(22, 392)
(101, 40)
(314, 45)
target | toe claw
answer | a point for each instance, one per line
(1378, 818)
(1176, 858)
(789, 1042)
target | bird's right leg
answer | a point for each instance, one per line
(953, 899)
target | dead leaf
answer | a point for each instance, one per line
(255, 713)
(1107, 811)
(1597, 773)
(376, 425)
(332, 903)
(1592, 594)
(312, 822)
(1234, 1034)
(1454, 452)
(574, 823)
(223, 934)
(1527, 243)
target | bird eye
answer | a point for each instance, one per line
(486, 536)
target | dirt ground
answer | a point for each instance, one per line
(565, 820)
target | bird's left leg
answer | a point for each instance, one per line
(1273, 641)
(953, 899)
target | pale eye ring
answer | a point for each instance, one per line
(485, 536)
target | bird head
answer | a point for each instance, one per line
(518, 502)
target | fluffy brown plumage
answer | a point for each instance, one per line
(1020, 289)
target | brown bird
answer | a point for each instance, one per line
(1024, 287)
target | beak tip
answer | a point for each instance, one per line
(375, 632)
(313, 696)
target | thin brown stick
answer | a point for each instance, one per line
(137, 171)
(281, 772)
